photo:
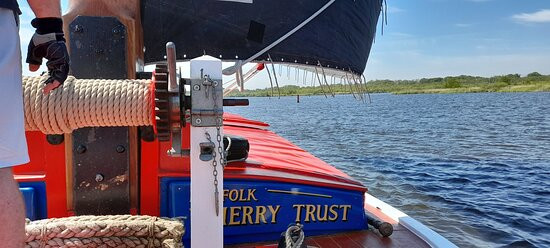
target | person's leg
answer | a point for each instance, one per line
(13, 146)
(12, 212)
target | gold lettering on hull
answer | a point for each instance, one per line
(267, 214)
(324, 213)
(247, 215)
(260, 214)
(320, 213)
(244, 215)
(234, 212)
(310, 211)
(239, 195)
(345, 212)
(274, 212)
(333, 213)
(298, 211)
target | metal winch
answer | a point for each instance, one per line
(167, 101)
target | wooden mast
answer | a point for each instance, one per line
(128, 13)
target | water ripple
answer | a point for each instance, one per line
(474, 167)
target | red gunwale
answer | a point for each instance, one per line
(271, 158)
(274, 158)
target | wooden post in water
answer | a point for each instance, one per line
(297, 98)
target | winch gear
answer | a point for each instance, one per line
(162, 111)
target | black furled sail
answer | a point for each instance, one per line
(339, 36)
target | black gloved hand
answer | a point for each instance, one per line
(48, 42)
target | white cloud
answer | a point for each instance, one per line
(413, 65)
(464, 25)
(540, 16)
(393, 10)
(400, 34)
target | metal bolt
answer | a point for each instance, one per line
(198, 121)
(99, 177)
(54, 139)
(196, 87)
(81, 149)
(172, 152)
(78, 29)
(120, 149)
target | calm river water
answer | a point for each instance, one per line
(474, 167)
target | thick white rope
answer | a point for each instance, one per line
(86, 103)
(105, 231)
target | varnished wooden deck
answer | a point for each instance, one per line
(401, 237)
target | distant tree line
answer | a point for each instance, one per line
(453, 84)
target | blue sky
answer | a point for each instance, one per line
(452, 37)
(428, 38)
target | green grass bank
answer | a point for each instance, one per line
(533, 82)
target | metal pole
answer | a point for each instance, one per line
(206, 186)
(171, 58)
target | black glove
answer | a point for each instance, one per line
(48, 42)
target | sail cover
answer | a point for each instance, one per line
(340, 37)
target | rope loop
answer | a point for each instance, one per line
(293, 231)
(151, 229)
(105, 231)
(43, 240)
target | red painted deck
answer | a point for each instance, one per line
(401, 237)
(272, 157)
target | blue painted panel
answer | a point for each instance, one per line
(261, 210)
(174, 202)
(29, 198)
(34, 196)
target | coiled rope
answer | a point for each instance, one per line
(294, 236)
(105, 231)
(86, 103)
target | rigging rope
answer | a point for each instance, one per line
(86, 103)
(234, 68)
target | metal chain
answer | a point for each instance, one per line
(215, 174)
(222, 157)
(219, 122)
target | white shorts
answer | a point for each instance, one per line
(13, 144)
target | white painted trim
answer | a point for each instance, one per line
(423, 232)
